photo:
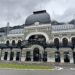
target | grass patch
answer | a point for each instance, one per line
(23, 66)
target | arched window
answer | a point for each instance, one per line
(39, 38)
(73, 41)
(7, 42)
(65, 42)
(56, 42)
(13, 42)
(19, 43)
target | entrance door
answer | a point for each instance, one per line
(74, 57)
(17, 56)
(36, 55)
(57, 56)
(6, 55)
(66, 57)
(28, 56)
(45, 56)
(11, 56)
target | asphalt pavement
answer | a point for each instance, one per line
(58, 71)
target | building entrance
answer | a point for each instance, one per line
(11, 56)
(17, 56)
(6, 55)
(45, 56)
(66, 57)
(36, 55)
(74, 57)
(57, 56)
(28, 56)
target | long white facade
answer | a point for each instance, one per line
(39, 40)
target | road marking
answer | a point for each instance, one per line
(58, 68)
(72, 68)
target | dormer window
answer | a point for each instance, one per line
(36, 23)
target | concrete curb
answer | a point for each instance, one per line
(26, 69)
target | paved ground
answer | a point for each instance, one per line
(58, 71)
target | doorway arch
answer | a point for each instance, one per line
(38, 33)
(36, 54)
(37, 39)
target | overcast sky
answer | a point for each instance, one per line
(16, 11)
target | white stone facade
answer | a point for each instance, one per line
(54, 35)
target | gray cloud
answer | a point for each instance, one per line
(16, 11)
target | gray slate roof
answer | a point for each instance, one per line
(39, 16)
